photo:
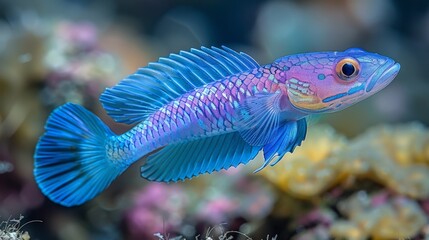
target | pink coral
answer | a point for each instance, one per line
(157, 208)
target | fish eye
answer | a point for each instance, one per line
(347, 69)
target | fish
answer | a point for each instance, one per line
(197, 112)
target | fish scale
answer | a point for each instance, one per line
(216, 119)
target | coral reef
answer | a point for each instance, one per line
(45, 63)
(186, 210)
(395, 156)
(157, 208)
(379, 216)
(310, 170)
(392, 160)
(78, 70)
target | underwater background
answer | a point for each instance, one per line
(362, 173)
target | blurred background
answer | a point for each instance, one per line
(362, 173)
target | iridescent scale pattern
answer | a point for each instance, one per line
(208, 110)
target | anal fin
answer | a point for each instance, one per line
(186, 160)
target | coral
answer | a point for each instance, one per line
(77, 68)
(157, 208)
(360, 216)
(233, 195)
(43, 64)
(396, 157)
(187, 208)
(319, 232)
(322, 218)
(328, 167)
(310, 169)
(394, 217)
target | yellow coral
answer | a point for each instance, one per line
(397, 218)
(397, 157)
(348, 230)
(309, 170)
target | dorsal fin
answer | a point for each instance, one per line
(151, 87)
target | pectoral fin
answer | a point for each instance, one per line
(259, 118)
(285, 139)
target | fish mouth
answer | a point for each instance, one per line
(383, 76)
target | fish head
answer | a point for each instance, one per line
(331, 81)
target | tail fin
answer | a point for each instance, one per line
(71, 165)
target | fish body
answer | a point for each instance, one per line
(200, 111)
(209, 110)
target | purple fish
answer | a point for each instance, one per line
(197, 112)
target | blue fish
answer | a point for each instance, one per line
(197, 112)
